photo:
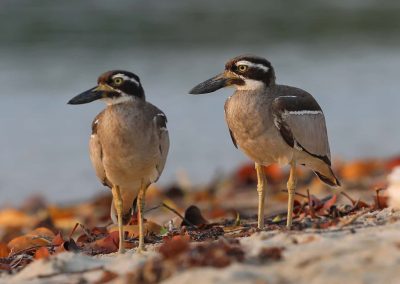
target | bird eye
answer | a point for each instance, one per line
(242, 68)
(118, 81)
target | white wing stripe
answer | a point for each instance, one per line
(303, 112)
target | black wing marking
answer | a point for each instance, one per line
(284, 104)
(233, 138)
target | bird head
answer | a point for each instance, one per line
(245, 72)
(113, 87)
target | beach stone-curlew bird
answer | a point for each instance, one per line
(128, 146)
(272, 123)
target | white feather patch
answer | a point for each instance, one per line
(118, 100)
(250, 64)
(250, 85)
(126, 78)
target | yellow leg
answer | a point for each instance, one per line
(291, 186)
(140, 203)
(118, 206)
(261, 187)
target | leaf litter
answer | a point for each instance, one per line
(40, 231)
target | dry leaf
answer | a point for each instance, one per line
(42, 232)
(270, 254)
(133, 230)
(4, 250)
(26, 242)
(42, 252)
(58, 240)
(108, 244)
(11, 218)
(173, 247)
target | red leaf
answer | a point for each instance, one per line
(329, 203)
(58, 240)
(4, 250)
(175, 246)
(42, 252)
(109, 244)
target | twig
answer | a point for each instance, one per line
(348, 197)
(153, 208)
(310, 205)
(70, 272)
(73, 230)
(296, 193)
(352, 219)
(14, 254)
(179, 215)
(378, 203)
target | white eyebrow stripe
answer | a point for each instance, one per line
(250, 64)
(126, 78)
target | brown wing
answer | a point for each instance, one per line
(160, 123)
(301, 123)
(96, 152)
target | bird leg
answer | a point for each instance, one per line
(291, 186)
(261, 187)
(118, 206)
(140, 204)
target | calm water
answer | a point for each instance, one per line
(346, 53)
(44, 141)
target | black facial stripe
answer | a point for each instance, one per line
(253, 71)
(130, 83)
(128, 87)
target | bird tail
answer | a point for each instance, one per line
(328, 177)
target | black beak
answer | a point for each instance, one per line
(211, 85)
(98, 92)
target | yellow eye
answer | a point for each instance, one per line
(242, 68)
(118, 81)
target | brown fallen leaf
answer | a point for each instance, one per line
(133, 230)
(58, 240)
(41, 253)
(356, 170)
(270, 254)
(108, 244)
(173, 247)
(26, 242)
(4, 250)
(42, 232)
(12, 218)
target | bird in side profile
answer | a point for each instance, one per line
(272, 123)
(128, 146)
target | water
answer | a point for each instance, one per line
(44, 141)
(346, 53)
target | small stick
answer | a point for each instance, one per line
(73, 230)
(352, 219)
(377, 197)
(348, 197)
(296, 193)
(310, 205)
(179, 215)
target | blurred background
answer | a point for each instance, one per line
(345, 53)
